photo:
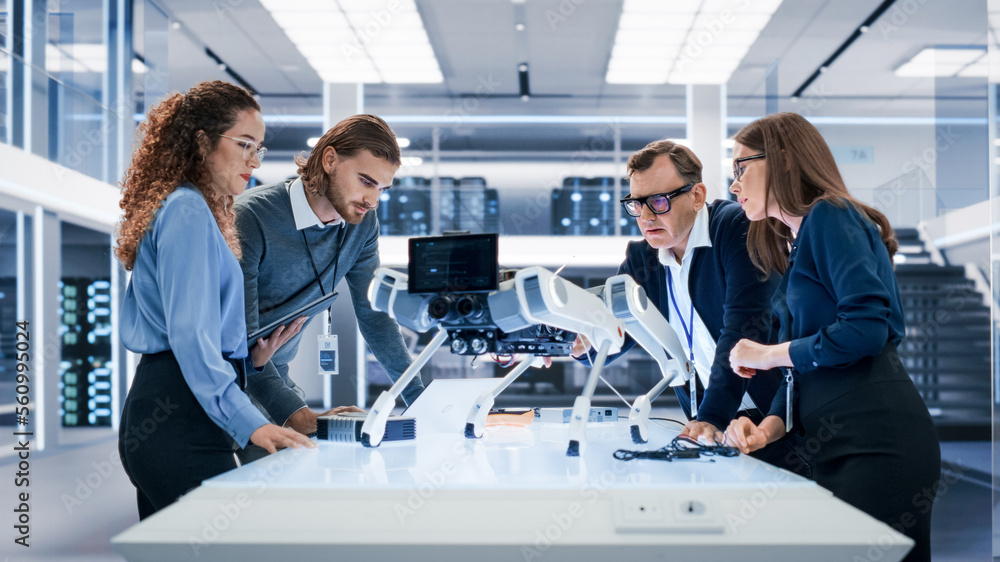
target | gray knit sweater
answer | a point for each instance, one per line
(279, 278)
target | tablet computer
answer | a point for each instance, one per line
(310, 309)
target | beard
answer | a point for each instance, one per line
(335, 195)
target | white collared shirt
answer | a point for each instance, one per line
(680, 273)
(301, 211)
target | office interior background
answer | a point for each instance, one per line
(515, 117)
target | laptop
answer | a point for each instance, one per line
(443, 407)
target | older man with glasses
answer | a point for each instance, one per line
(693, 264)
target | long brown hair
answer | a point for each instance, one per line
(348, 137)
(801, 172)
(169, 155)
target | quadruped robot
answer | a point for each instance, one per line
(453, 285)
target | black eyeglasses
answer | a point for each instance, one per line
(738, 169)
(659, 203)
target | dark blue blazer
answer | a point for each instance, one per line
(732, 301)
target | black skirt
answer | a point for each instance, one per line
(168, 444)
(874, 446)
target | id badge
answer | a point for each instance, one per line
(329, 355)
(789, 395)
(693, 382)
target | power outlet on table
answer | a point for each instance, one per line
(640, 514)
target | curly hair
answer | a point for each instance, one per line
(169, 154)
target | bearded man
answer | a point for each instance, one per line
(302, 236)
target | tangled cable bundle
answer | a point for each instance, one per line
(682, 447)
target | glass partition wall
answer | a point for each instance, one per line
(61, 68)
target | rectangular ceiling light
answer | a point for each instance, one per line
(685, 42)
(932, 62)
(356, 41)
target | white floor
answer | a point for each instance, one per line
(79, 498)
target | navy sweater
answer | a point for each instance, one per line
(730, 298)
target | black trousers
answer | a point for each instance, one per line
(876, 448)
(167, 442)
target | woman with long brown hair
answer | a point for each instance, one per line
(183, 308)
(838, 302)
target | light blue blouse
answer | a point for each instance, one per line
(186, 295)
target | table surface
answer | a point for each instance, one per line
(506, 458)
(512, 495)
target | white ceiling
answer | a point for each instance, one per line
(476, 43)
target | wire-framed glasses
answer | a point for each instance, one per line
(249, 148)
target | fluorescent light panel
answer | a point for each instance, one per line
(977, 70)
(946, 62)
(685, 42)
(357, 41)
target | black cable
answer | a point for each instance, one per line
(681, 447)
(678, 422)
(336, 263)
(319, 282)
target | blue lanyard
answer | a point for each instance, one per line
(689, 325)
(689, 334)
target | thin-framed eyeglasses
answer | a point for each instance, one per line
(659, 203)
(739, 168)
(249, 148)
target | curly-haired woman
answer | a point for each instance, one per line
(183, 308)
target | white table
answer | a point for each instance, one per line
(512, 495)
